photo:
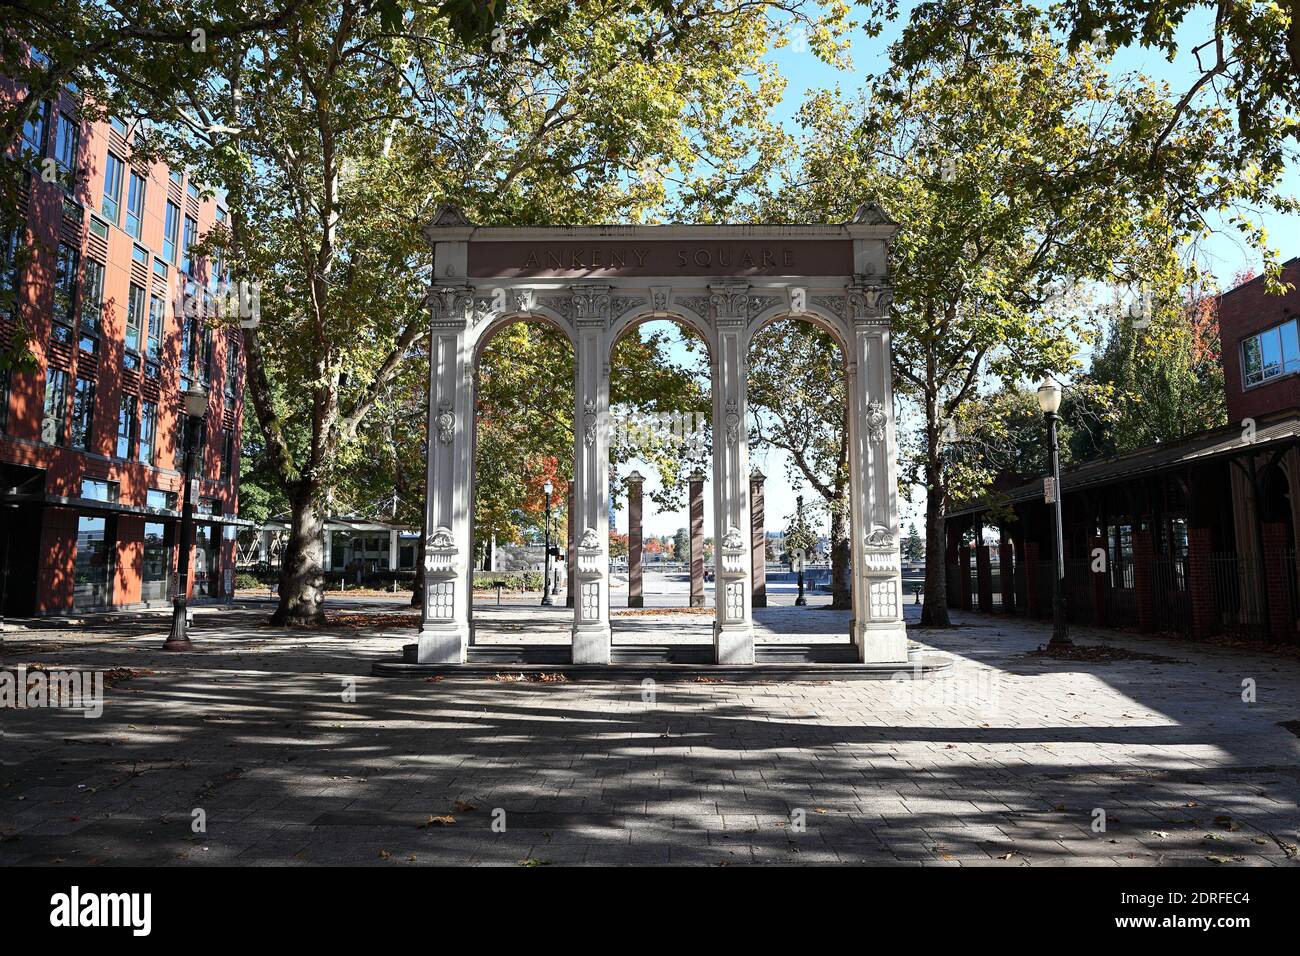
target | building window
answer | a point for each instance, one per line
(112, 188)
(170, 229)
(83, 413)
(34, 130)
(93, 566)
(1121, 537)
(232, 368)
(178, 443)
(160, 500)
(193, 191)
(135, 205)
(65, 284)
(227, 453)
(148, 431)
(56, 396)
(10, 273)
(188, 240)
(118, 124)
(4, 400)
(92, 305)
(157, 562)
(1271, 353)
(153, 346)
(135, 317)
(98, 489)
(66, 140)
(125, 426)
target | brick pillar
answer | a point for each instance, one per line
(1031, 579)
(635, 555)
(984, 576)
(568, 554)
(1281, 618)
(1199, 591)
(963, 578)
(1144, 579)
(1006, 573)
(758, 539)
(1099, 578)
(697, 539)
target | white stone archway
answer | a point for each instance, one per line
(723, 281)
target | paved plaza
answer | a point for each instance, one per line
(288, 752)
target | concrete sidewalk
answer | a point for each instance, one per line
(290, 753)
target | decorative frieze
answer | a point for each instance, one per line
(445, 423)
(876, 420)
(869, 302)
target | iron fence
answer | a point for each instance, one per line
(1236, 599)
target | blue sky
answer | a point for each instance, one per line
(1223, 254)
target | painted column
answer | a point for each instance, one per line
(635, 569)
(697, 538)
(758, 539)
(590, 517)
(392, 550)
(444, 619)
(733, 632)
(878, 630)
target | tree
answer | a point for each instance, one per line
(797, 398)
(1160, 380)
(800, 538)
(914, 544)
(681, 546)
(349, 132)
(1246, 54)
(618, 545)
(1019, 173)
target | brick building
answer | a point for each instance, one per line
(99, 272)
(1196, 536)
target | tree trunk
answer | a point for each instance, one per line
(935, 611)
(841, 564)
(302, 578)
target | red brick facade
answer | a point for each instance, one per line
(147, 378)
(1243, 311)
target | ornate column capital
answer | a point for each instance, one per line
(730, 302)
(590, 304)
(451, 306)
(870, 299)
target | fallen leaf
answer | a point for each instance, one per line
(463, 807)
(444, 821)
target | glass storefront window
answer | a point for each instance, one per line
(157, 562)
(92, 569)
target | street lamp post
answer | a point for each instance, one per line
(196, 407)
(546, 574)
(1049, 400)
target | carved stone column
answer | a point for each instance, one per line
(878, 630)
(444, 619)
(733, 632)
(758, 544)
(635, 556)
(591, 633)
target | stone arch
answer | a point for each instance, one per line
(622, 325)
(539, 315)
(814, 314)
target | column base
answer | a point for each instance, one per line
(884, 643)
(636, 600)
(443, 645)
(732, 644)
(591, 645)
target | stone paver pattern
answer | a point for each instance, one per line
(1012, 760)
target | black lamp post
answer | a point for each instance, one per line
(546, 574)
(1049, 400)
(801, 554)
(196, 407)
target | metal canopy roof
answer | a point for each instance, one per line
(1203, 446)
